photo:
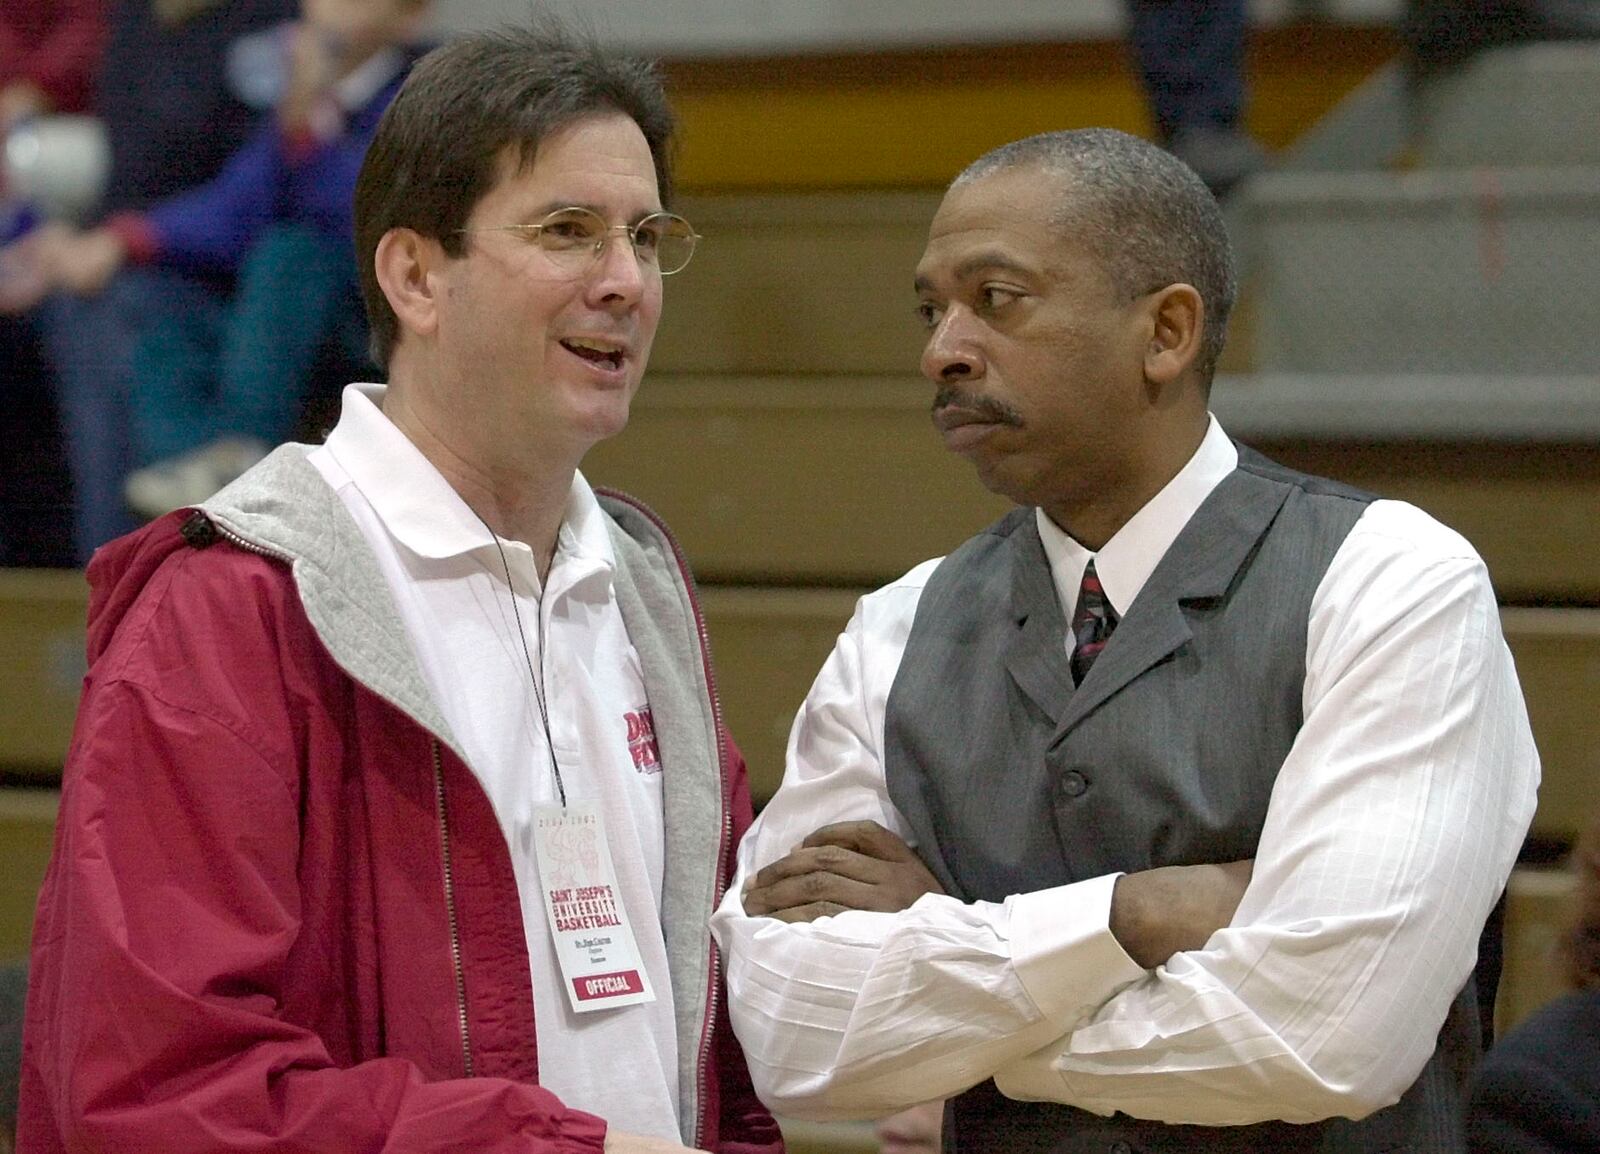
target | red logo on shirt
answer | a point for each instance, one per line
(642, 741)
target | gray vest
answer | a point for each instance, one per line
(1013, 780)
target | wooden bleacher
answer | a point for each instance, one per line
(769, 643)
(794, 493)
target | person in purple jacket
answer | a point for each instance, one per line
(217, 378)
(174, 109)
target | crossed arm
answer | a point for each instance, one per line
(859, 865)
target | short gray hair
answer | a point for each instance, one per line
(1140, 211)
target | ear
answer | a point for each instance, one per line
(1177, 316)
(405, 262)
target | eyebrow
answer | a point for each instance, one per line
(540, 211)
(984, 260)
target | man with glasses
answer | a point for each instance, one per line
(1213, 770)
(399, 796)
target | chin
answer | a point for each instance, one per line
(605, 420)
(994, 477)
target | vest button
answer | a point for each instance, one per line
(1073, 783)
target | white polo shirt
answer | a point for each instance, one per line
(449, 584)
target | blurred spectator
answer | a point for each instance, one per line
(1190, 55)
(172, 117)
(1538, 1091)
(32, 474)
(173, 105)
(48, 52)
(223, 379)
(223, 374)
(1442, 33)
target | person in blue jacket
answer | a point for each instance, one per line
(172, 115)
(218, 376)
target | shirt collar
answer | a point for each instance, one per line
(1126, 561)
(420, 510)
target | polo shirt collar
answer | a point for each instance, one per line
(419, 508)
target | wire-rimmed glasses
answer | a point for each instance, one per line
(574, 238)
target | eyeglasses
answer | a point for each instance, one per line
(574, 238)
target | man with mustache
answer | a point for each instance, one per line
(1209, 771)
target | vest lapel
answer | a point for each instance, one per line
(1036, 655)
(1200, 565)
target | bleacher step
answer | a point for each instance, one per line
(831, 480)
(796, 480)
(1480, 272)
(1539, 909)
(1409, 407)
(42, 635)
(770, 642)
(27, 832)
(1526, 105)
(797, 283)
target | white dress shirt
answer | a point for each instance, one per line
(1392, 827)
(449, 583)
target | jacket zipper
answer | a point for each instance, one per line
(450, 907)
(444, 832)
(233, 538)
(714, 985)
(713, 979)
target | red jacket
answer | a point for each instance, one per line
(281, 914)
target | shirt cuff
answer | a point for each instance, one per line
(1063, 950)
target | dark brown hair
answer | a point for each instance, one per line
(437, 148)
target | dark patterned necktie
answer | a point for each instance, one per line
(1092, 623)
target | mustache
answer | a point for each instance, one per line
(986, 407)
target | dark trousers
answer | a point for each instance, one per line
(1190, 55)
(242, 365)
(35, 493)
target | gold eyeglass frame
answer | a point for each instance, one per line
(533, 232)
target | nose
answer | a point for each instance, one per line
(617, 276)
(951, 354)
